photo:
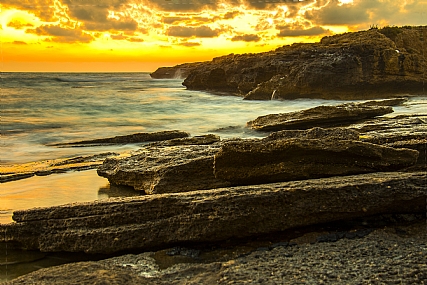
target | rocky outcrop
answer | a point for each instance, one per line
(42, 168)
(165, 169)
(321, 116)
(180, 71)
(242, 264)
(404, 131)
(151, 221)
(246, 163)
(134, 138)
(377, 63)
(314, 133)
(196, 140)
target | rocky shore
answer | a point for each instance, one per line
(394, 254)
(348, 166)
(377, 63)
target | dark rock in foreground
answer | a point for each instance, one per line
(404, 131)
(134, 138)
(165, 169)
(315, 133)
(47, 167)
(196, 140)
(370, 255)
(204, 216)
(321, 116)
(378, 63)
(181, 165)
(245, 163)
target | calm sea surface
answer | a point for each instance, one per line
(41, 109)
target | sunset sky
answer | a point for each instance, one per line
(141, 35)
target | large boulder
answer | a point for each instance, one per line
(320, 116)
(245, 163)
(154, 221)
(165, 169)
(377, 63)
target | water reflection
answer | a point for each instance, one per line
(55, 190)
(111, 191)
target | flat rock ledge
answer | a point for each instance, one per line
(170, 169)
(321, 116)
(387, 255)
(245, 163)
(133, 138)
(154, 221)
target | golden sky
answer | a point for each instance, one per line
(141, 35)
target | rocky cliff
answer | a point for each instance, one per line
(180, 71)
(376, 63)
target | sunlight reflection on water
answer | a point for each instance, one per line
(54, 190)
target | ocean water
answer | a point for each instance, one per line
(42, 109)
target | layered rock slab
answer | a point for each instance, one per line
(165, 169)
(133, 138)
(321, 116)
(244, 163)
(204, 216)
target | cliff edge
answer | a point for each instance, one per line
(377, 63)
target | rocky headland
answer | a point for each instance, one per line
(377, 63)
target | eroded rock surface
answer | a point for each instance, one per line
(377, 63)
(165, 169)
(42, 168)
(203, 216)
(244, 163)
(134, 138)
(405, 131)
(321, 116)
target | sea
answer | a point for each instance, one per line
(39, 110)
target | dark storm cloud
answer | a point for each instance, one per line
(187, 32)
(287, 32)
(59, 34)
(246, 38)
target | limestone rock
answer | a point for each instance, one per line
(245, 163)
(321, 116)
(154, 221)
(165, 169)
(315, 133)
(196, 140)
(378, 63)
(134, 138)
(404, 131)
